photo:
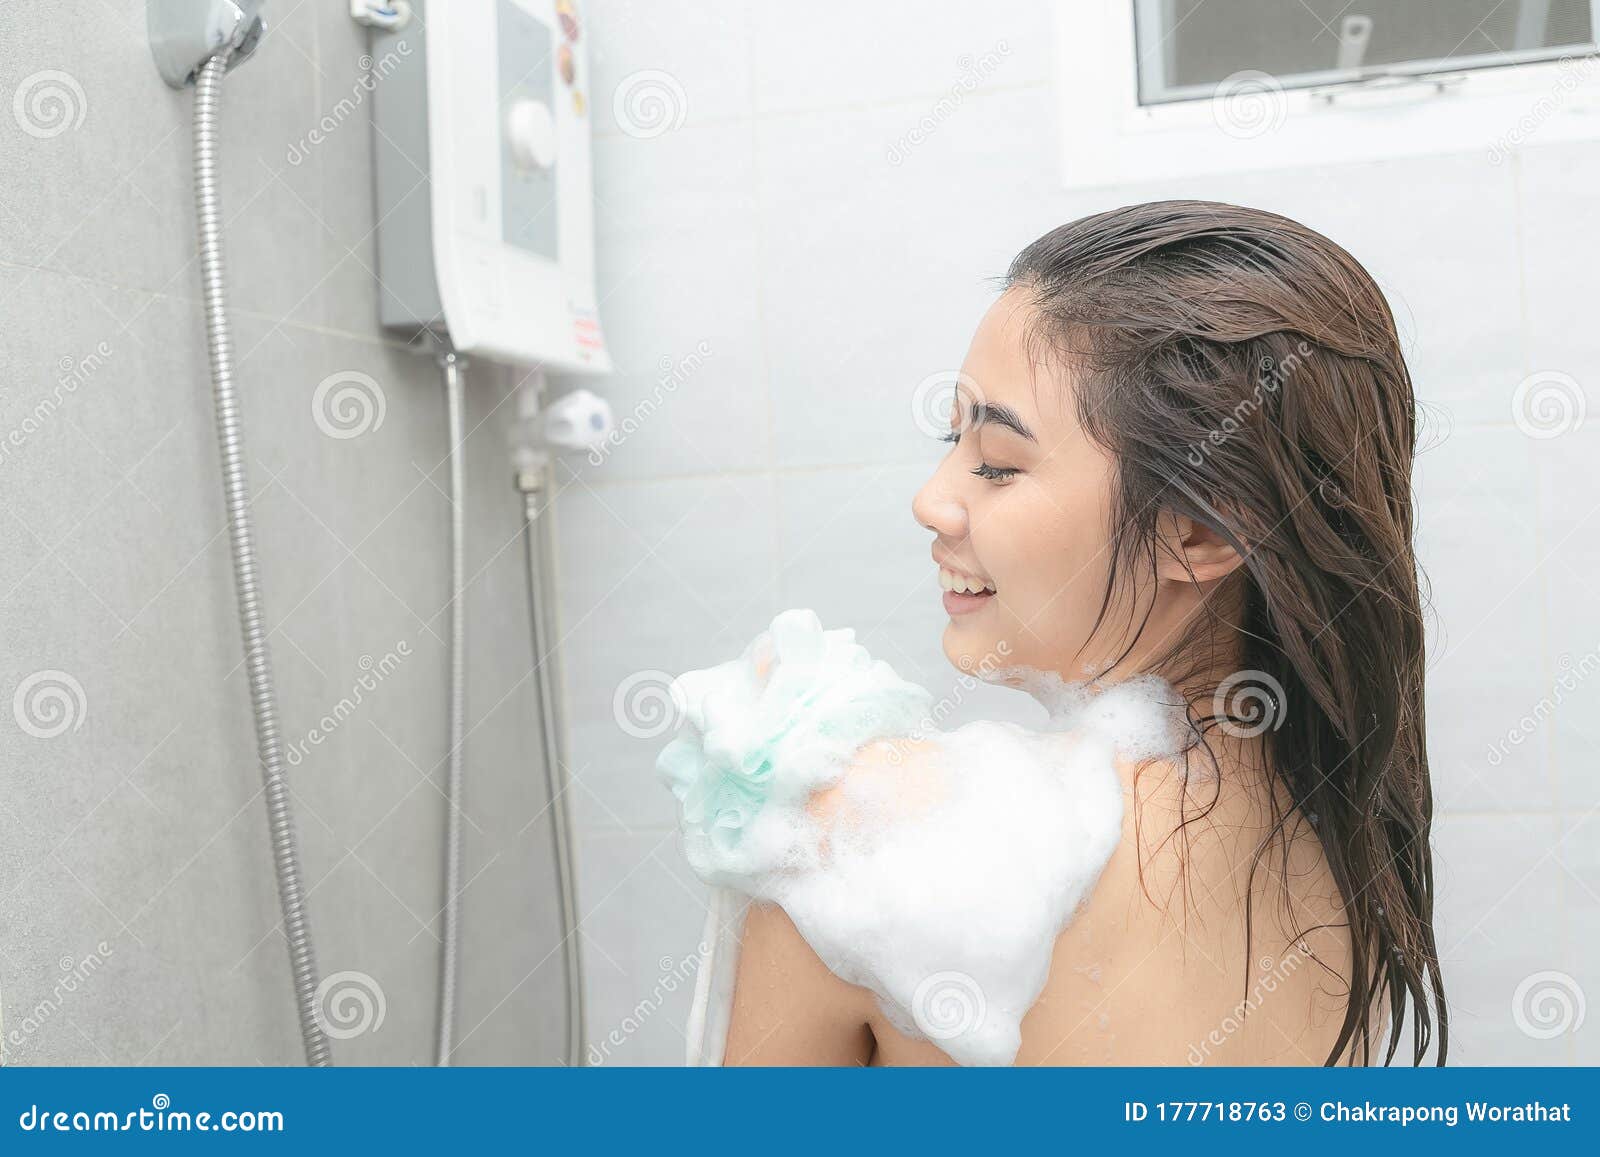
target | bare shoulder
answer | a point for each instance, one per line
(1214, 935)
(1205, 939)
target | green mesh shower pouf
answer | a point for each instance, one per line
(780, 722)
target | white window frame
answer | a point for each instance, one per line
(1109, 138)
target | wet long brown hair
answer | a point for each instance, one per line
(1245, 372)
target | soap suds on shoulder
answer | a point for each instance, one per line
(935, 870)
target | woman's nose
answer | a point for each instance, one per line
(936, 508)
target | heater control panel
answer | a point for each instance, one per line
(481, 136)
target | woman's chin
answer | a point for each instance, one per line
(973, 647)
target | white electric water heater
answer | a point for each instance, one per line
(483, 174)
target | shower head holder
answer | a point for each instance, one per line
(184, 34)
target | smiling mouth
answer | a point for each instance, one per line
(964, 584)
(964, 593)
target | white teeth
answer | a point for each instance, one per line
(962, 584)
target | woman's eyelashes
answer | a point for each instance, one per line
(983, 469)
(995, 473)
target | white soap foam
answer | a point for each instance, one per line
(936, 871)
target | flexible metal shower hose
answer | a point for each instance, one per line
(556, 777)
(236, 491)
(451, 365)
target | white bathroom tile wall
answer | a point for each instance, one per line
(690, 388)
(1501, 923)
(1578, 856)
(844, 54)
(643, 914)
(851, 242)
(689, 64)
(1569, 555)
(1484, 656)
(696, 179)
(656, 578)
(1559, 235)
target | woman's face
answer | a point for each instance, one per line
(1020, 506)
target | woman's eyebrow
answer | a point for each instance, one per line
(1002, 416)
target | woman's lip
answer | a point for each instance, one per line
(961, 603)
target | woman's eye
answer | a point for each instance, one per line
(952, 436)
(995, 473)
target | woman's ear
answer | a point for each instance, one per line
(1191, 552)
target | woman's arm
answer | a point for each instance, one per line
(788, 1009)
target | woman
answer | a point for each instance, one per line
(1182, 446)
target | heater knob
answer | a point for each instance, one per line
(531, 132)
